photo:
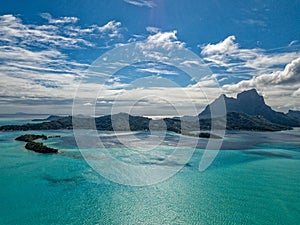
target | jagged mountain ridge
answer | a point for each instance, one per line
(251, 103)
(247, 112)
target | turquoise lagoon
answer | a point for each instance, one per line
(255, 179)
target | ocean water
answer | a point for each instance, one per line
(255, 179)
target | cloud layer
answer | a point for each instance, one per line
(289, 76)
(36, 69)
(34, 66)
(38, 75)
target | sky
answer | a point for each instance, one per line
(146, 57)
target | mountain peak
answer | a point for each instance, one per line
(250, 101)
(253, 104)
(252, 91)
(249, 94)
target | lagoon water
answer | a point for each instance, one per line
(255, 179)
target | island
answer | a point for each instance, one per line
(49, 118)
(36, 146)
(203, 135)
(246, 112)
(31, 137)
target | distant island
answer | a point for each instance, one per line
(246, 112)
(49, 118)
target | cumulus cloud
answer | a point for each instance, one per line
(156, 46)
(227, 46)
(112, 28)
(289, 76)
(231, 58)
(165, 39)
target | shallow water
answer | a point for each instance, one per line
(257, 185)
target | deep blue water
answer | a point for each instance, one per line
(255, 179)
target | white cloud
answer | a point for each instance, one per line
(61, 20)
(13, 31)
(58, 33)
(165, 40)
(112, 28)
(141, 3)
(153, 29)
(35, 71)
(191, 63)
(157, 71)
(157, 46)
(289, 76)
(227, 46)
(231, 58)
(262, 61)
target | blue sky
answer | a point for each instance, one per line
(47, 47)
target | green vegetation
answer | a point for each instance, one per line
(31, 137)
(39, 147)
(36, 146)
